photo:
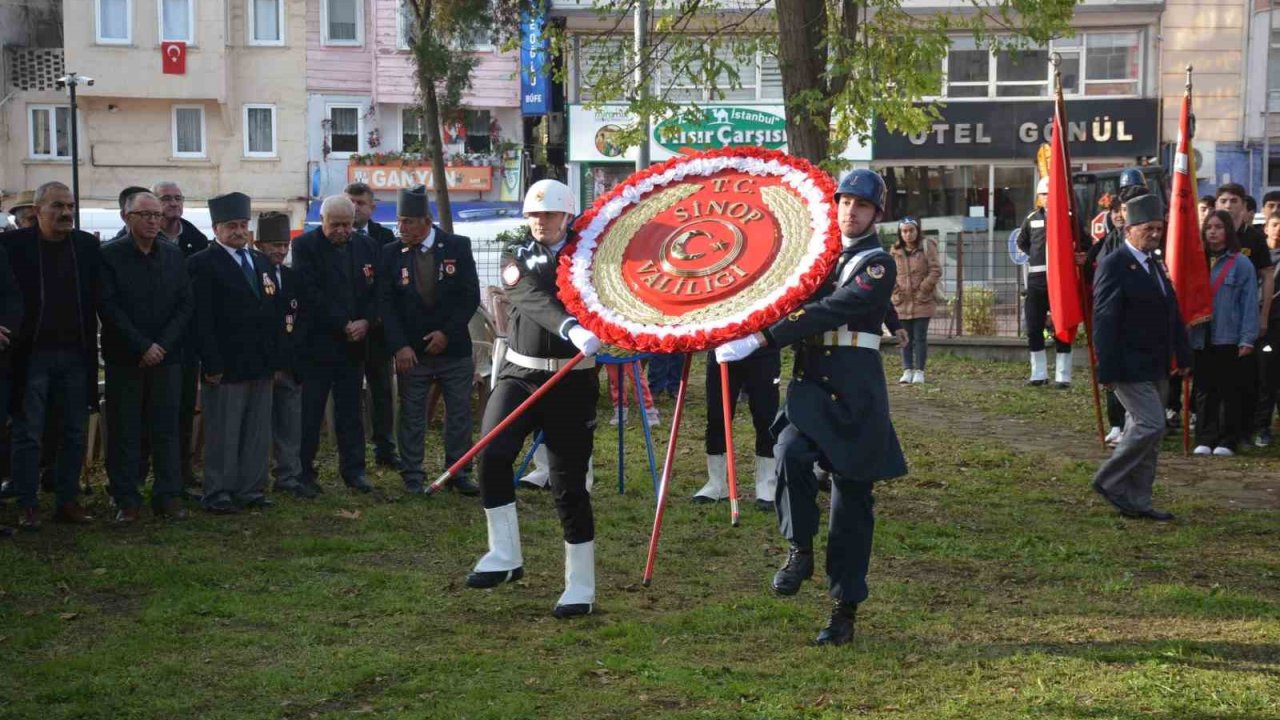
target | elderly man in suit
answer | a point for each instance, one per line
(1139, 336)
(336, 269)
(427, 294)
(237, 338)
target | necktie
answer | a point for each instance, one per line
(279, 280)
(1155, 273)
(247, 266)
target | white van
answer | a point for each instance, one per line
(106, 222)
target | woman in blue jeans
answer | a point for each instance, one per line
(913, 296)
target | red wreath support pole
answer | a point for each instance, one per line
(668, 465)
(730, 462)
(551, 382)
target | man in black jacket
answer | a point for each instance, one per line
(336, 269)
(427, 293)
(190, 241)
(146, 307)
(56, 352)
(10, 320)
(377, 364)
(237, 339)
(272, 240)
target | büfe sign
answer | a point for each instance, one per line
(385, 177)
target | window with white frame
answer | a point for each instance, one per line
(344, 129)
(188, 131)
(478, 124)
(113, 20)
(266, 22)
(598, 58)
(342, 21)
(411, 128)
(1094, 63)
(1273, 71)
(770, 78)
(406, 27)
(177, 20)
(49, 132)
(757, 73)
(259, 131)
(974, 71)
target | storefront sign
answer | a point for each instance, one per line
(535, 87)
(387, 177)
(593, 133)
(1016, 130)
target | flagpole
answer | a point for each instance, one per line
(1186, 379)
(1086, 299)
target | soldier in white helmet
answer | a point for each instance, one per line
(543, 338)
(1031, 240)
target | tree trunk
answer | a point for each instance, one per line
(434, 144)
(803, 59)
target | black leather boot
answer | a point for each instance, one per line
(493, 578)
(839, 629)
(798, 568)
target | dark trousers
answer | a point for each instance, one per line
(1269, 377)
(852, 522)
(567, 418)
(1036, 313)
(916, 351)
(758, 374)
(454, 375)
(1248, 371)
(1217, 392)
(55, 379)
(377, 372)
(343, 380)
(186, 421)
(1115, 410)
(143, 403)
(664, 372)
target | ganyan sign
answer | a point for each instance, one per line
(394, 177)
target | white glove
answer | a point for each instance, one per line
(737, 349)
(584, 340)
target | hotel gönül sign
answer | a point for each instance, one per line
(394, 177)
(1016, 130)
(592, 133)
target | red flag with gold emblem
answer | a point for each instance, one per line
(1062, 236)
(1184, 253)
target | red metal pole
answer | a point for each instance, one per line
(1186, 415)
(667, 466)
(520, 409)
(730, 464)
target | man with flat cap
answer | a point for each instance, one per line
(1139, 336)
(336, 269)
(427, 294)
(272, 240)
(237, 338)
(23, 210)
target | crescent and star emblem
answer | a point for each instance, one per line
(675, 249)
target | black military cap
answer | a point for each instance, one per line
(232, 206)
(1144, 209)
(273, 227)
(412, 202)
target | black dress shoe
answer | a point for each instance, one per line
(575, 610)
(261, 502)
(360, 485)
(1115, 502)
(526, 485)
(492, 578)
(764, 505)
(221, 506)
(1148, 514)
(703, 500)
(387, 461)
(798, 568)
(839, 629)
(1062, 386)
(308, 489)
(1037, 383)
(415, 488)
(464, 486)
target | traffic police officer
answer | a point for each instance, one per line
(1031, 240)
(837, 408)
(427, 294)
(543, 338)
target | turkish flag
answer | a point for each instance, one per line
(174, 57)
(1184, 253)
(1062, 236)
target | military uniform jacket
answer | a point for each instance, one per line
(837, 396)
(406, 318)
(236, 330)
(291, 316)
(335, 293)
(1031, 240)
(539, 324)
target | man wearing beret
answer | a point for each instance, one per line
(237, 338)
(1139, 336)
(427, 294)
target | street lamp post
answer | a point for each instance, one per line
(70, 81)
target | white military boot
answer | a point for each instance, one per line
(1062, 370)
(539, 473)
(579, 580)
(503, 562)
(717, 487)
(766, 482)
(1039, 368)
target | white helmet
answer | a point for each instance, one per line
(1042, 187)
(548, 196)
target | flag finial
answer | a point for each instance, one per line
(1188, 77)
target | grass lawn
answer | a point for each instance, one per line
(1001, 588)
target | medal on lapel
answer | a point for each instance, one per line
(268, 286)
(288, 323)
(404, 276)
(368, 274)
(450, 266)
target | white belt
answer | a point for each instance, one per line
(848, 338)
(546, 364)
(1037, 268)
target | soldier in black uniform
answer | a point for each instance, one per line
(758, 376)
(1031, 240)
(837, 408)
(543, 337)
